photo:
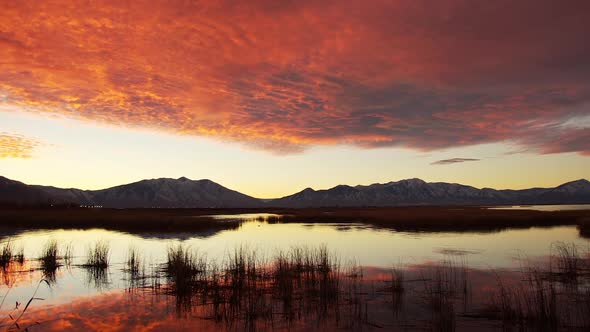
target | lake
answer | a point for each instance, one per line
(74, 292)
(562, 207)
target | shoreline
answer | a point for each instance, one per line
(418, 219)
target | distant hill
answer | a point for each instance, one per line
(173, 193)
(186, 193)
(17, 193)
(155, 193)
(418, 192)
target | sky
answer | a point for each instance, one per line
(270, 97)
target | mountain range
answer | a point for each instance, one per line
(186, 193)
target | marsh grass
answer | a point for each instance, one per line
(446, 286)
(130, 220)
(182, 267)
(246, 287)
(19, 255)
(565, 262)
(97, 264)
(154, 277)
(98, 256)
(184, 271)
(397, 279)
(49, 260)
(68, 254)
(301, 282)
(133, 262)
(439, 293)
(6, 253)
(398, 218)
(271, 219)
(137, 272)
(552, 298)
(531, 303)
(9, 254)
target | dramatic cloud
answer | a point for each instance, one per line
(17, 146)
(452, 161)
(284, 75)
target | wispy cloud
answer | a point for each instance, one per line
(17, 146)
(285, 75)
(453, 161)
(517, 151)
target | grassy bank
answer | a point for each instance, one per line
(129, 220)
(460, 219)
(433, 219)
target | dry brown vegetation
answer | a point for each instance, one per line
(439, 218)
(430, 219)
(129, 220)
(548, 298)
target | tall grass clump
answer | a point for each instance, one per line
(186, 274)
(328, 269)
(98, 256)
(246, 278)
(446, 285)
(133, 263)
(6, 251)
(397, 279)
(97, 263)
(19, 256)
(540, 298)
(49, 257)
(183, 268)
(68, 254)
(533, 302)
(307, 274)
(180, 262)
(567, 261)
(440, 296)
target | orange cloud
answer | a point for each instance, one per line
(17, 146)
(284, 75)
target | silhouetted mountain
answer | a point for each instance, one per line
(17, 193)
(161, 193)
(185, 193)
(172, 193)
(69, 195)
(418, 192)
(573, 192)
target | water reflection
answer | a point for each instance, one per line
(562, 207)
(374, 247)
(269, 276)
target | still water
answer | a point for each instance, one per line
(563, 207)
(358, 243)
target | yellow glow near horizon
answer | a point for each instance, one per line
(86, 156)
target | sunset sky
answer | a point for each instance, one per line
(269, 97)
